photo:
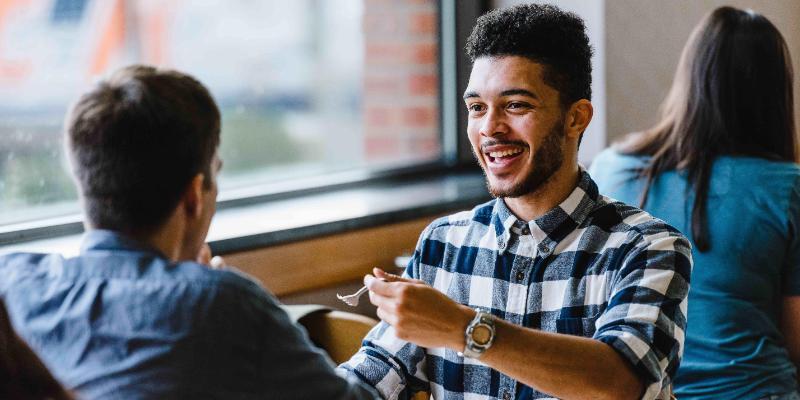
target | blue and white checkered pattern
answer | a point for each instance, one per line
(590, 267)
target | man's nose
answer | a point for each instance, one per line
(493, 124)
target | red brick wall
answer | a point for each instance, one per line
(401, 83)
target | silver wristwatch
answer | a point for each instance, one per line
(479, 334)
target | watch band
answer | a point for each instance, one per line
(483, 322)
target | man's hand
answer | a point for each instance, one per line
(419, 313)
(204, 257)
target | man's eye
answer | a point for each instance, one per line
(475, 107)
(515, 106)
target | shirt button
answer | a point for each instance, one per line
(543, 248)
(501, 245)
(506, 396)
(520, 275)
(526, 230)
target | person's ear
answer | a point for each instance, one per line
(193, 196)
(578, 117)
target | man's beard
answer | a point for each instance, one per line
(547, 159)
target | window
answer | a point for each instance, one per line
(307, 88)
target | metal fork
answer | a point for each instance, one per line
(352, 299)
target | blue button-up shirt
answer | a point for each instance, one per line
(590, 267)
(122, 321)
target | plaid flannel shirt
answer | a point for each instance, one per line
(590, 267)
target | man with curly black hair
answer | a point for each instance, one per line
(551, 289)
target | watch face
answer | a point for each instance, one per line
(481, 335)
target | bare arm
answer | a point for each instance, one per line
(204, 257)
(790, 327)
(568, 367)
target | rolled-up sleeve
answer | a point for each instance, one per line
(645, 319)
(395, 367)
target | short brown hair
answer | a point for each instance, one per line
(135, 142)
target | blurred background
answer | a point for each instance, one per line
(307, 88)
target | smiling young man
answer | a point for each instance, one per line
(551, 289)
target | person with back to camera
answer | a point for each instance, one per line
(551, 289)
(138, 314)
(721, 165)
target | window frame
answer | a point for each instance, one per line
(455, 23)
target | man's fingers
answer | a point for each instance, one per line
(378, 285)
(393, 277)
(385, 275)
(387, 317)
(204, 256)
(379, 301)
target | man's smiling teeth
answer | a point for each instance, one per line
(504, 153)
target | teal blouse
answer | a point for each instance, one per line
(734, 348)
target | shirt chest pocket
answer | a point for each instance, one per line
(577, 326)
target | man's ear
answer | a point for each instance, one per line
(192, 200)
(578, 117)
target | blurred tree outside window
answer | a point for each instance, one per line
(306, 87)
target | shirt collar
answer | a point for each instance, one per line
(502, 220)
(107, 240)
(553, 226)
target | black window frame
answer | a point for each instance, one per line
(456, 19)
